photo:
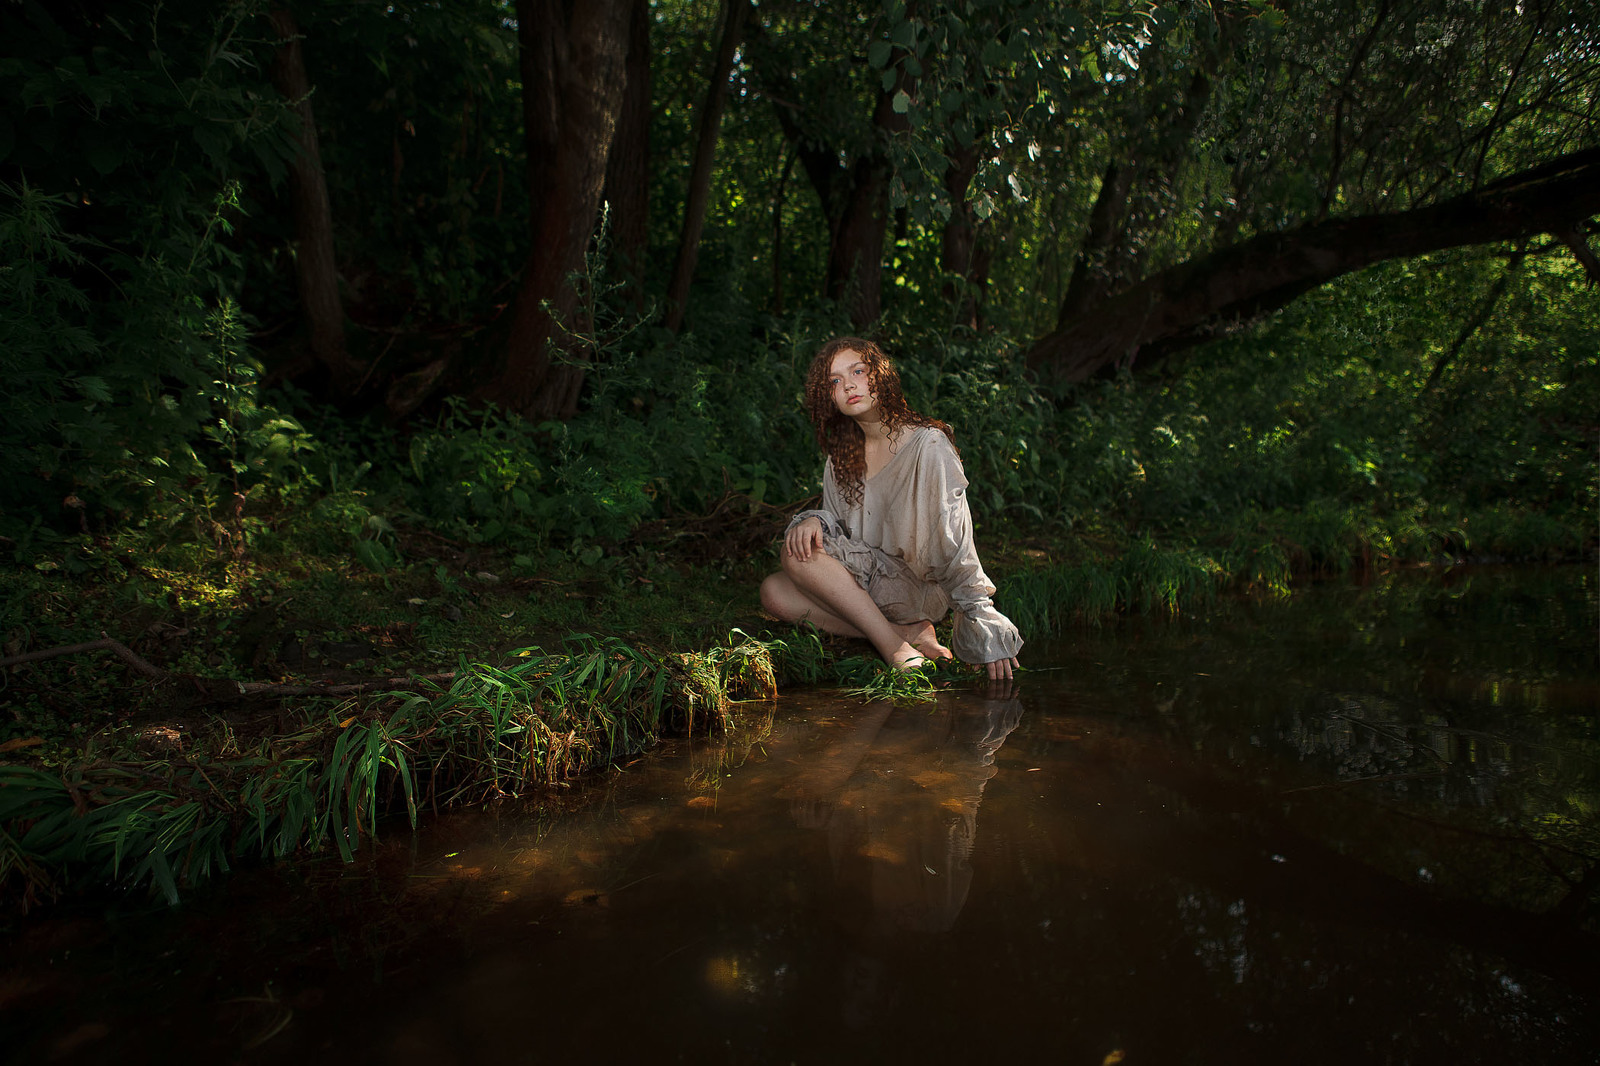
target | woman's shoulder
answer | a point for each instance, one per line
(922, 436)
(929, 440)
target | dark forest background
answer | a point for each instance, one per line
(1308, 281)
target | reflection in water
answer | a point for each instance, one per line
(1356, 827)
(898, 798)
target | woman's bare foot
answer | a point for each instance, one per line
(907, 658)
(920, 635)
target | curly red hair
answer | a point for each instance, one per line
(838, 435)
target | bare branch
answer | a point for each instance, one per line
(105, 643)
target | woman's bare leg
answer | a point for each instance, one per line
(820, 590)
(782, 598)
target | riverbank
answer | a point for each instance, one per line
(1385, 783)
(184, 710)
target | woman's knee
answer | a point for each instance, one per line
(777, 594)
(805, 572)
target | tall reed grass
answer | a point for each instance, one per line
(1145, 577)
(495, 730)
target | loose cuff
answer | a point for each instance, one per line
(831, 525)
(984, 635)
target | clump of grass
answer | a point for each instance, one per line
(495, 730)
(898, 686)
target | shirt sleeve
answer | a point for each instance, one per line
(831, 524)
(831, 513)
(982, 634)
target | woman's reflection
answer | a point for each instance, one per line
(898, 797)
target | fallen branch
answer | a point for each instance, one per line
(216, 688)
(269, 688)
(105, 643)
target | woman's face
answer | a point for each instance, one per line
(851, 385)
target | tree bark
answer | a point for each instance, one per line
(960, 256)
(694, 210)
(316, 272)
(1093, 272)
(572, 59)
(855, 197)
(1183, 305)
(855, 253)
(627, 188)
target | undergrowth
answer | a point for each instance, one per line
(493, 731)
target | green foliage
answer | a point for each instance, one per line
(493, 731)
(1360, 426)
(177, 439)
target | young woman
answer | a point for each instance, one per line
(891, 550)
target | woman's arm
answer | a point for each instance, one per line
(982, 634)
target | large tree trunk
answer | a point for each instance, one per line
(1183, 305)
(316, 274)
(694, 209)
(855, 254)
(1095, 271)
(572, 59)
(1109, 257)
(961, 257)
(627, 189)
(855, 197)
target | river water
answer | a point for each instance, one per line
(1353, 827)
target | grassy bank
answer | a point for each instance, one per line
(280, 703)
(322, 771)
(269, 706)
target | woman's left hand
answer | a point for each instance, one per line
(1000, 669)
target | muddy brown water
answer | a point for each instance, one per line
(1354, 827)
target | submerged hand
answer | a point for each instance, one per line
(803, 539)
(1000, 669)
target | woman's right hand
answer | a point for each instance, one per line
(803, 538)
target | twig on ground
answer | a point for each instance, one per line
(105, 643)
(269, 688)
(218, 688)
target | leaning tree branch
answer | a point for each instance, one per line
(1578, 243)
(1183, 305)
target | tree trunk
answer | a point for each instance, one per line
(1094, 272)
(855, 197)
(1110, 256)
(960, 257)
(1183, 305)
(694, 210)
(572, 59)
(855, 253)
(628, 167)
(316, 273)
